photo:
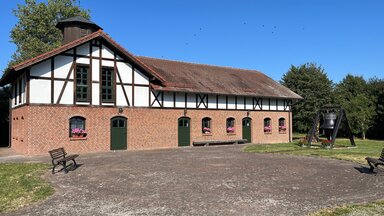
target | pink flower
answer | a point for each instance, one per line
(230, 129)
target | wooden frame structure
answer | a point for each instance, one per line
(340, 116)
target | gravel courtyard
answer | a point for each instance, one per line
(220, 180)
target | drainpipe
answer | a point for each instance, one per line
(10, 122)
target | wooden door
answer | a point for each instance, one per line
(247, 125)
(118, 133)
(184, 131)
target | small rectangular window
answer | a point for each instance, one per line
(107, 84)
(82, 84)
(15, 93)
(20, 86)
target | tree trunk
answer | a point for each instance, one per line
(363, 135)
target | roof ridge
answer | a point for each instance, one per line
(202, 64)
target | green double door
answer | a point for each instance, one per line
(184, 131)
(118, 133)
(247, 125)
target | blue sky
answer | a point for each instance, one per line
(344, 36)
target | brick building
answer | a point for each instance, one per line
(124, 101)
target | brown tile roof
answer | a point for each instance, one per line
(190, 77)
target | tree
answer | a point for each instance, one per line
(376, 89)
(353, 95)
(35, 33)
(311, 82)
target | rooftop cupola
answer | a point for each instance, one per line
(76, 27)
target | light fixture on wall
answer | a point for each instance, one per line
(185, 111)
(120, 110)
(248, 113)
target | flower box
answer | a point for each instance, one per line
(230, 130)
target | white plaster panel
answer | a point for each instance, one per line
(118, 57)
(67, 97)
(180, 100)
(260, 105)
(107, 53)
(95, 52)
(82, 61)
(280, 104)
(240, 103)
(128, 90)
(265, 103)
(168, 99)
(273, 104)
(191, 100)
(95, 70)
(107, 63)
(120, 97)
(156, 104)
(83, 49)
(58, 85)
(125, 71)
(42, 69)
(82, 103)
(231, 102)
(222, 102)
(62, 66)
(211, 101)
(249, 104)
(95, 94)
(108, 104)
(140, 78)
(40, 91)
(141, 96)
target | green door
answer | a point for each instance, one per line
(184, 131)
(118, 133)
(247, 122)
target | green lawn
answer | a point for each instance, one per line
(371, 148)
(372, 209)
(21, 184)
(364, 148)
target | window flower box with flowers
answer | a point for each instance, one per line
(283, 129)
(230, 130)
(207, 130)
(268, 129)
(78, 133)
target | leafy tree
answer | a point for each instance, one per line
(352, 93)
(35, 33)
(376, 90)
(311, 82)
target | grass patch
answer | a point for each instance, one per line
(365, 148)
(21, 184)
(374, 208)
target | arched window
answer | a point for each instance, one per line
(230, 125)
(267, 125)
(77, 126)
(206, 125)
(282, 126)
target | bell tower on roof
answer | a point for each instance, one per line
(76, 27)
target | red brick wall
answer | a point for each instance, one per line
(46, 127)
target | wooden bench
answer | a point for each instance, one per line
(60, 157)
(217, 142)
(373, 163)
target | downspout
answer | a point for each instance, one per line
(10, 122)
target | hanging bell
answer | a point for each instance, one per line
(329, 121)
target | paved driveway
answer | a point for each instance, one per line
(221, 180)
